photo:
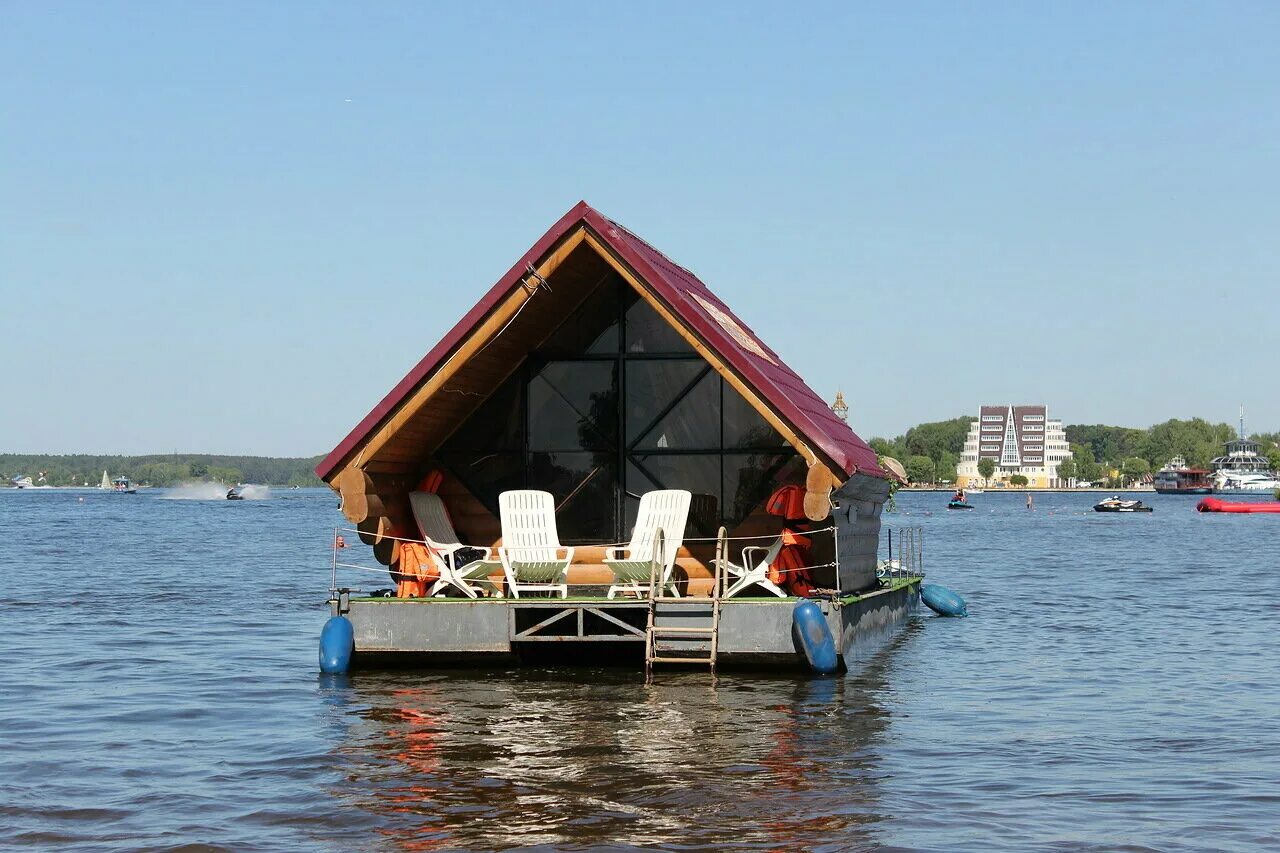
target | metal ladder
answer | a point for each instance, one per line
(657, 591)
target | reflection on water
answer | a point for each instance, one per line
(539, 758)
(1115, 688)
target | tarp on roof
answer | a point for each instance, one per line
(695, 305)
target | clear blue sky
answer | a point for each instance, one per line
(233, 227)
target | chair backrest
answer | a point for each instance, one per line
(433, 521)
(775, 548)
(667, 509)
(529, 524)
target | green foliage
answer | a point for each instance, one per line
(1067, 470)
(165, 470)
(1108, 442)
(920, 469)
(1018, 480)
(945, 467)
(1087, 468)
(1196, 440)
(986, 467)
(1134, 467)
(936, 438)
(885, 447)
(940, 441)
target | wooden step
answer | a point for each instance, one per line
(662, 629)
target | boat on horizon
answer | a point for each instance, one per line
(123, 486)
(1177, 478)
(1242, 470)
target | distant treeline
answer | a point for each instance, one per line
(931, 451)
(161, 470)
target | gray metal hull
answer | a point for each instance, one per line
(754, 633)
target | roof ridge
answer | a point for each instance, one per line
(633, 235)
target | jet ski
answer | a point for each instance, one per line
(236, 494)
(1117, 505)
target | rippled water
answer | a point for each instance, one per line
(1116, 687)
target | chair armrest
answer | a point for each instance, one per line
(613, 553)
(568, 555)
(747, 562)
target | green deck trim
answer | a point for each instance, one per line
(573, 599)
(891, 586)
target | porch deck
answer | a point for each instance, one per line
(753, 632)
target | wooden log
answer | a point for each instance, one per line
(367, 530)
(374, 529)
(817, 506)
(818, 484)
(385, 551)
(366, 495)
(358, 508)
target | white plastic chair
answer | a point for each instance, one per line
(755, 570)
(531, 552)
(437, 531)
(666, 510)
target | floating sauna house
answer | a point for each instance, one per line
(597, 369)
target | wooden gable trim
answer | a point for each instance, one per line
(366, 454)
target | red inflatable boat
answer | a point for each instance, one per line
(1219, 505)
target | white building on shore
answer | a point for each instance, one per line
(1019, 440)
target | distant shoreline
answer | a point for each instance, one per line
(995, 490)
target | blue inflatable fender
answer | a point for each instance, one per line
(811, 627)
(337, 642)
(943, 601)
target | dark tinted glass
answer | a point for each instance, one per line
(744, 427)
(649, 333)
(585, 488)
(697, 473)
(573, 405)
(749, 478)
(494, 425)
(593, 328)
(486, 475)
(654, 386)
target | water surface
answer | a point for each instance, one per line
(1115, 688)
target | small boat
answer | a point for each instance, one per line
(959, 505)
(105, 485)
(1117, 505)
(123, 486)
(1217, 505)
(236, 493)
(1177, 478)
(1243, 469)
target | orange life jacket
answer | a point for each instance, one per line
(788, 569)
(417, 570)
(787, 502)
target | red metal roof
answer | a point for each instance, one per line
(690, 300)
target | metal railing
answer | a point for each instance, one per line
(908, 558)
